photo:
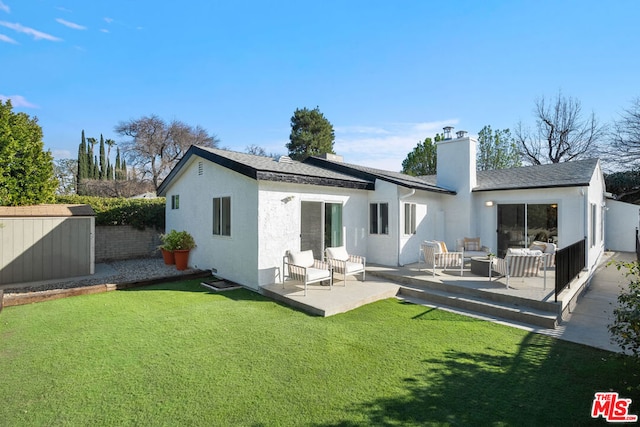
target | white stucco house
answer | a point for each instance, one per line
(246, 211)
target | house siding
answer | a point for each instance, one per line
(279, 219)
(622, 221)
(234, 257)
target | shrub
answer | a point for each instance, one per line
(626, 323)
(138, 213)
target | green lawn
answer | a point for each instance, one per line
(176, 354)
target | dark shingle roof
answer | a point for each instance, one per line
(269, 169)
(372, 174)
(320, 171)
(568, 174)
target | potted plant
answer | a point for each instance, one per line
(183, 243)
(168, 246)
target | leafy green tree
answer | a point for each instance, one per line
(423, 160)
(311, 134)
(497, 150)
(625, 185)
(26, 169)
(625, 328)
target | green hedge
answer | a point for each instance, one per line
(138, 213)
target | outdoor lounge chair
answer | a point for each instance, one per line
(435, 254)
(519, 263)
(346, 264)
(302, 267)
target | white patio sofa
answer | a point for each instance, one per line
(345, 264)
(435, 254)
(546, 248)
(519, 263)
(304, 268)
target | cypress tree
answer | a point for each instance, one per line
(103, 163)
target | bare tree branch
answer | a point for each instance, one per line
(155, 146)
(561, 132)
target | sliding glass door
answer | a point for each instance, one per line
(520, 224)
(320, 226)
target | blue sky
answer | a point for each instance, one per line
(386, 74)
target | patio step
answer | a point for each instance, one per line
(544, 314)
(513, 312)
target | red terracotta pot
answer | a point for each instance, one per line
(182, 259)
(168, 257)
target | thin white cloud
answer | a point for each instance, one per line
(384, 147)
(104, 30)
(37, 35)
(108, 20)
(361, 129)
(18, 101)
(69, 24)
(7, 39)
(62, 9)
(4, 7)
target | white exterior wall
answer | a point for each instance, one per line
(457, 172)
(383, 248)
(234, 257)
(428, 206)
(571, 212)
(595, 196)
(621, 222)
(279, 219)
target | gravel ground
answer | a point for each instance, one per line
(116, 272)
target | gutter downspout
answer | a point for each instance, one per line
(405, 196)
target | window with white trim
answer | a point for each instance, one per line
(222, 216)
(409, 218)
(379, 218)
(175, 201)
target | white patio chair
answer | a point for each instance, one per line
(302, 267)
(345, 264)
(436, 255)
(516, 264)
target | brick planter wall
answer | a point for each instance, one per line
(125, 242)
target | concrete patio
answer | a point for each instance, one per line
(528, 300)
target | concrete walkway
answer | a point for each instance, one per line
(588, 323)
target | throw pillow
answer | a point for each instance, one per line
(303, 259)
(471, 243)
(339, 253)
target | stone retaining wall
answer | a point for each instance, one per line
(125, 242)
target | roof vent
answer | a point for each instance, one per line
(461, 134)
(447, 132)
(284, 159)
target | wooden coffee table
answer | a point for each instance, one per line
(480, 266)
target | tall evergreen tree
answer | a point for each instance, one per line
(311, 134)
(103, 161)
(423, 159)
